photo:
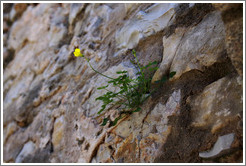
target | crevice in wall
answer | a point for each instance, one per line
(186, 16)
(185, 141)
(9, 58)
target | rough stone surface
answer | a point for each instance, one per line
(49, 108)
(147, 22)
(223, 143)
(28, 149)
(232, 16)
(213, 107)
(200, 46)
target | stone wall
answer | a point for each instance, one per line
(49, 109)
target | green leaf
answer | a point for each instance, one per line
(150, 64)
(153, 69)
(102, 109)
(100, 98)
(138, 73)
(105, 120)
(115, 121)
(137, 110)
(164, 79)
(133, 62)
(172, 74)
(121, 72)
(108, 93)
(113, 82)
(102, 87)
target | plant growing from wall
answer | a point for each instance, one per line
(130, 92)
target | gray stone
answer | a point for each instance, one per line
(219, 102)
(153, 21)
(201, 46)
(223, 143)
(27, 150)
(49, 107)
(194, 48)
(75, 8)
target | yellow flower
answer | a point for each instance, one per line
(77, 53)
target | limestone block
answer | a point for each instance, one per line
(201, 46)
(58, 133)
(27, 150)
(156, 18)
(217, 104)
(223, 143)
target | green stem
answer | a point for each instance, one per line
(138, 63)
(142, 73)
(97, 71)
(118, 96)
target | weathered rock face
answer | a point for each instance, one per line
(49, 109)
